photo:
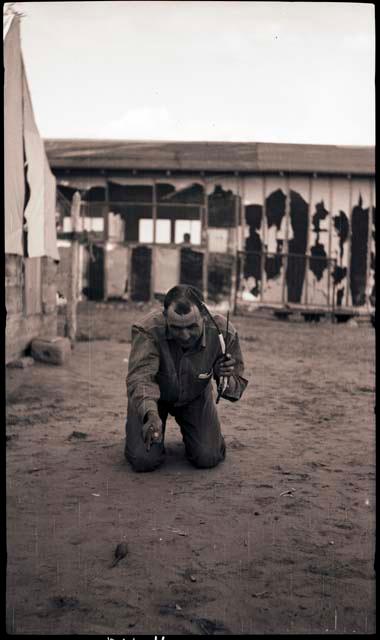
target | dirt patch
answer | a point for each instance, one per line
(277, 539)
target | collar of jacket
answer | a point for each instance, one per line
(203, 340)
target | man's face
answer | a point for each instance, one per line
(185, 329)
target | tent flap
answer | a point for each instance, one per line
(14, 181)
(40, 209)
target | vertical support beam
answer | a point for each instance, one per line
(265, 237)
(241, 237)
(307, 255)
(349, 244)
(129, 272)
(71, 309)
(204, 237)
(40, 270)
(233, 291)
(152, 272)
(105, 242)
(369, 245)
(153, 261)
(106, 213)
(330, 263)
(154, 210)
(286, 244)
(80, 271)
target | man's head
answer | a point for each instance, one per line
(183, 314)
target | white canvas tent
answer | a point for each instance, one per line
(29, 206)
(24, 150)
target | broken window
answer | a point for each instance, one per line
(181, 191)
(179, 203)
(187, 231)
(94, 194)
(141, 265)
(361, 202)
(64, 199)
(297, 244)
(340, 238)
(252, 238)
(191, 267)
(133, 204)
(221, 208)
(139, 193)
(220, 268)
(138, 220)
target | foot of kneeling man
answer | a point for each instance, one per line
(175, 356)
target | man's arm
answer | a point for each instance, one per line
(236, 382)
(144, 361)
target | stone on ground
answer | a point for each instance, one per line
(53, 351)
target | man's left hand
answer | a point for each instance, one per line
(224, 366)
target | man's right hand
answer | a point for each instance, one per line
(152, 429)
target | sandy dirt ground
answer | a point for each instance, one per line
(279, 538)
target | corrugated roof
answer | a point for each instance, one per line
(209, 156)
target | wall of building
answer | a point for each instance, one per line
(278, 239)
(327, 222)
(30, 299)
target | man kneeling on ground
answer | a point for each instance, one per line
(175, 354)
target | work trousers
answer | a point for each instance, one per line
(200, 429)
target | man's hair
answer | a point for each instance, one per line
(183, 296)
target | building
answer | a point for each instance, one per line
(31, 252)
(283, 225)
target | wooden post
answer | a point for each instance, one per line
(264, 244)
(73, 288)
(307, 252)
(369, 247)
(105, 242)
(240, 239)
(204, 240)
(233, 291)
(330, 264)
(153, 246)
(349, 243)
(286, 243)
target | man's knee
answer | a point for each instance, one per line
(145, 460)
(206, 458)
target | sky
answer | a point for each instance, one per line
(297, 72)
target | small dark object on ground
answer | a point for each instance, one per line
(170, 609)
(80, 435)
(21, 363)
(65, 601)
(120, 553)
(210, 627)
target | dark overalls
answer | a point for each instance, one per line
(164, 378)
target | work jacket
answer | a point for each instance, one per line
(160, 370)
